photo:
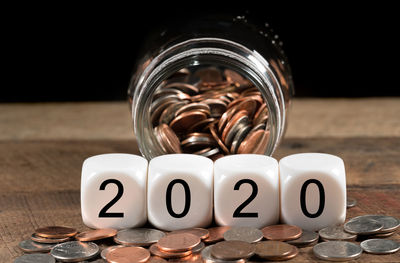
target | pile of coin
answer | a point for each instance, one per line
(215, 244)
(210, 112)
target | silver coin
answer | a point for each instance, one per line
(380, 246)
(363, 226)
(35, 258)
(107, 250)
(335, 232)
(247, 234)
(198, 248)
(307, 238)
(208, 258)
(337, 251)
(351, 202)
(390, 223)
(239, 137)
(138, 236)
(74, 251)
(31, 246)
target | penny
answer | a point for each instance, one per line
(307, 238)
(246, 234)
(185, 120)
(178, 242)
(336, 232)
(201, 125)
(351, 202)
(35, 258)
(214, 133)
(251, 142)
(74, 251)
(337, 251)
(155, 259)
(281, 232)
(209, 74)
(105, 251)
(45, 240)
(184, 87)
(232, 250)
(263, 143)
(241, 122)
(239, 116)
(193, 106)
(216, 234)
(168, 139)
(208, 152)
(56, 232)
(208, 258)
(197, 139)
(197, 231)
(30, 246)
(292, 254)
(97, 234)
(380, 246)
(363, 226)
(138, 236)
(194, 258)
(390, 223)
(168, 113)
(239, 137)
(273, 250)
(217, 107)
(157, 251)
(128, 255)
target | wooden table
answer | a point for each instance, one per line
(42, 147)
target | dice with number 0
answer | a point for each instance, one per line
(246, 190)
(113, 191)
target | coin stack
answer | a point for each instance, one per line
(211, 112)
(212, 245)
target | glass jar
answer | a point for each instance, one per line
(212, 86)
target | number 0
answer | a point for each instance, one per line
(321, 198)
(169, 197)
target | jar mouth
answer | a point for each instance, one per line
(197, 52)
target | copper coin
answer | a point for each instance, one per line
(281, 232)
(221, 144)
(216, 234)
(273, 249)
(185, 120)
(194, 258)
(193, 106)
(197, 231)
(56, 232)
(201, 125)
(184, 87)
(232, 122)
(251, 142)
(97, 234)
(157, 251)
(209, 74)
(292, 254)
(232, 250)
(128, 255)
(156, 259)
(263, 144)
(45, 240)
(168, 139)
(178, 242)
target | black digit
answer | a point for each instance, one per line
(187, 198)
(238, 212)
(103, 212)
(321, 198)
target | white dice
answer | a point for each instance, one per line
(313, 190)
(113, 191)
(246, 190)
(180, 191)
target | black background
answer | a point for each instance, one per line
(76, 53)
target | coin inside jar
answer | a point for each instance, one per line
(128, 255)
(281, 232)
(178, 242)
(97, 234)
(232, 250)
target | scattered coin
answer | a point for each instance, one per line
(336, 232)
(380, 246)
(281, 232)
(382, 235)
(74, 251)
(105, 251)
(56, 232)
(363, 226)
(216, 234)
(390, 223)
(307, 238)
(97, 234)
(157, 251)
(194, 258)
(178, 242)
(138, 236)
(198, 248)
(246, 234)
(232, 250)
(351, 202)
(155, 259)
(337, 251)
(273, 250)
(208, 258)
(197, 231)
(128, 255)
(31, 246)
(35, 258)
(45, 240)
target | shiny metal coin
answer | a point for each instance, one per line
(247, 234)
(351, 202)
(104, 252)
(138, 236)
(30, 246)
(380, 246)
(35, 258)
(363, 226)
(336, 232)
(208, 258)
(198, 248)
(337, 251)
(74, 251)
(390, 223)
(307, 238)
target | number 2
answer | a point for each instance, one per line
(103, 212)
(238, 212)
